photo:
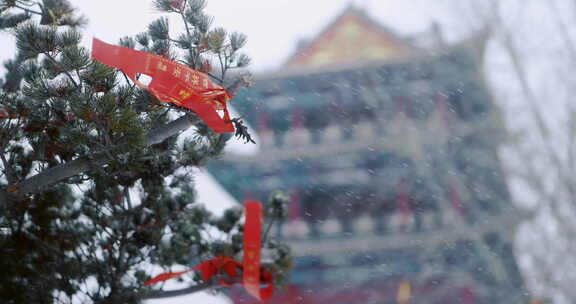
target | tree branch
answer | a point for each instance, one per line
(53, 175)
(9, 172)
(160, 294)
(28, 10)
(3, 200)
(47, 54)
(50, 176)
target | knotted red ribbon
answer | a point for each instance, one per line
(171, 82)
(252, 276)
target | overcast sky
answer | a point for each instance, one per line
(273, 27)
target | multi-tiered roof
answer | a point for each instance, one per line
(389, 152)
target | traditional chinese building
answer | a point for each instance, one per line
(388, 148)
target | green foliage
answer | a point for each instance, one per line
(276, 208)
(159, 29)
(33, 40)
(59, 12)
(11, 20)
(112, 221)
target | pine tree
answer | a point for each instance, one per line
(96, 194)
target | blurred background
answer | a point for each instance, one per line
(428, 146)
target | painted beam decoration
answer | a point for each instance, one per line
(258, 283)
(171, 82)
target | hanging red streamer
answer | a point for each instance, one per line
(253, 277)
(252, 244)
(171, 82)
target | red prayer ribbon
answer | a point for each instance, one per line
(171, 82)
(252, 244)
(252, 276)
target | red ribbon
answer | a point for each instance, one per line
(252, 276)
(171, 82)
(252, 244)
(167, 276)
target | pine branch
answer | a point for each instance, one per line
(265, 236)
(56, 174)
(161, 294)
(58, 65)
(3, 200)
(241, 82)
(9, 172)
(187, 27)
(28, 10)
(53, 175)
